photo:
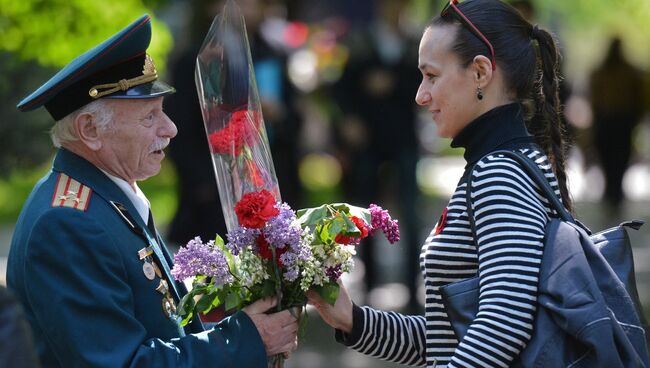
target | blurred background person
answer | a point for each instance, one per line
(377, 141)
(16, 347)
(616, 90)
(199, 208)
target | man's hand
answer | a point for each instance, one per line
(278, 330)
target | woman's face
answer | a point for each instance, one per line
(447, 89)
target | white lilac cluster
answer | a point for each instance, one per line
(250, 269)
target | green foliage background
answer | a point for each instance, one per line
(37, 38)
(53, 32)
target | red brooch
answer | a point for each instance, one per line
(441, 222)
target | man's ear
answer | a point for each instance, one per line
(87, 131)
(482, 70)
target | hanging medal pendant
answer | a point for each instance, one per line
(168, 306)
(163, 288)
(157, 269)
(148, 270)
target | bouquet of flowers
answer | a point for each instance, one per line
(269, 250)
(276, 252)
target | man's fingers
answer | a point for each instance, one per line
(282, 318)
(261, 306)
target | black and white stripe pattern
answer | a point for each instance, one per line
(510, 214)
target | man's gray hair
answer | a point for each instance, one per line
(63, 131)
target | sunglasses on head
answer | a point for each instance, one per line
(451, 7)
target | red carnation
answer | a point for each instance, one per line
(237, 133)
(361, 225)
(264, 249)
(254, 209)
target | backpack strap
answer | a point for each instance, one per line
(536, 174)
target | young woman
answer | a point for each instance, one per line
(490, 82)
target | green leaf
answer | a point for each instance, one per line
(323, 234)
(351, 228)
(312, 216)
(329, 292)
(187, 319)
(205, 304)
(232, 300)
(186, 305)
(218, 241)
(337, 225)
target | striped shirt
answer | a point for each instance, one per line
(510, 214)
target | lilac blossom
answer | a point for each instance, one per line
(197, 258)
(282, 230)
(382, 220)
(241, 238)
(333, 273)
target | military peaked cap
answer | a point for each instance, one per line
(117, 68)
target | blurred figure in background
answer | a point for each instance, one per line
(199, 208)
(378, 129)
(616, 89)
(17, 349)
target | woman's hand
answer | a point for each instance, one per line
(339, 315)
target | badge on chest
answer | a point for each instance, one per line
(151, 271)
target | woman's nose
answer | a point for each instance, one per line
(422, 97)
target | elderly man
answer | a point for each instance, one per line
(86, 261)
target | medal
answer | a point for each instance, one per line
(157, 270)
(162, 288)
(148, 270)
(168, 306)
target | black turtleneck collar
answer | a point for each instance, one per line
(498, 128)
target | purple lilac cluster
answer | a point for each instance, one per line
(197, 258)
(382, 220)
(292, 258)
(282, 230)
(333, 273)
(240, 238)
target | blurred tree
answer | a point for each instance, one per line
(39, 36)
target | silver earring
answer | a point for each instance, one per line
(479, 93)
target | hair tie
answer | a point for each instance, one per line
(535, 32)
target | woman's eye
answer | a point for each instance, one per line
(430, 77)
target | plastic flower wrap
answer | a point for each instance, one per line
(232, 114)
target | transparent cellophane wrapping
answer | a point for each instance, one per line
(232, 114)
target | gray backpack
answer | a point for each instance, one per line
(588, 308)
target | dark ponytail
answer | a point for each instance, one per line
(529, 60)
(546, 124)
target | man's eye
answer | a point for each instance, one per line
(430, 76)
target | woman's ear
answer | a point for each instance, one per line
(87, 131)
(482, 70)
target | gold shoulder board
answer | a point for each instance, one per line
(70, 193)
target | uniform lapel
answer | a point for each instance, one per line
(89, 175)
